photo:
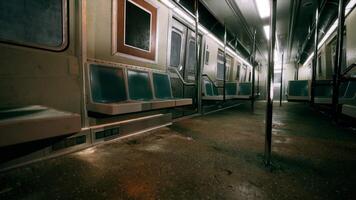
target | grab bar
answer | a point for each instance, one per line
(180, 76)
(211, 81)
(349, 68)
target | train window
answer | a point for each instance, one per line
(191, 57)
(35, 23)
(228, 66)
(176, 44)
(243, 73)
(137, 28)
(320, 70)
(277, 77)
(238, 72)
(207, 55)
(249, 77)
(220, 66)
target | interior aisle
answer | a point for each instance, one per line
(217, 156)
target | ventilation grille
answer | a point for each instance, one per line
(69, 142)
(108, 133)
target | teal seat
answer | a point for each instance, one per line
(107, 84)
(108, 92)
(324, 89)
(163, 93)
(211, 92)
(349, 110)
(323, 92)
(298, 90)
(231, 88)
(162, 86)
(349, 95)
(139, 85)
(350, 90)
(342, 89)
(245, 89)
(208, 88)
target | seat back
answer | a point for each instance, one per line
(208, 87)
(139, 85)
(231, 88)
(350, 90)
(245, 88)
(343, 87)
(107, 84)
(298, 88)
(162, 86)
(323, 88)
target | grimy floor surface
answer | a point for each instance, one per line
(218, 156)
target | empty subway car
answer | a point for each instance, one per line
(77, 73)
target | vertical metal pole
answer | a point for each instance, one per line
(82, 54)
(338, 60)
(224, 84)
(281, 86)
(253, 57)
(297, 71)
(269, 110)
(258, 78)
(315, 59)
(197, 53)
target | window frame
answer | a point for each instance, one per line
(119, 30)
(180, 49)
(320, 70)
(188, 70)
(217, 65)
(228, 66)
(238, 71)
(65, 34)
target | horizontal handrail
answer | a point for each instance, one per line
(180, 76)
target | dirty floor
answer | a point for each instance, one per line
(218, 156)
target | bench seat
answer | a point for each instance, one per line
(116, 91)
(35, 122)
(349, 110)
(119, 108)
(183, 102)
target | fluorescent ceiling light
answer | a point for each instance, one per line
(263, 8)
(266, 29)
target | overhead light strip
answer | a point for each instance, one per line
(266, 29)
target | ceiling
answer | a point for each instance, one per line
(294, 20)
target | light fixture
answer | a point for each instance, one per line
(266, 29)
(263, 8)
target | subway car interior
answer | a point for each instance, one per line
(177, 99)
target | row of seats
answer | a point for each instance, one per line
(114, 90)
(233, 90)
(300, 91)
(324, 92)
